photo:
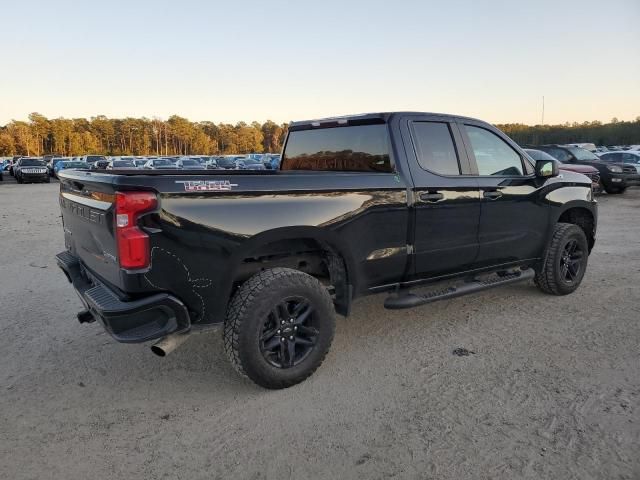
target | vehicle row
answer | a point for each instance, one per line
(54, 164)
(613, 171)
(592, 147)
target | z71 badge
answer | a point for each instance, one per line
(206, 185)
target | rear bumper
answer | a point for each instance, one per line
(128, 321)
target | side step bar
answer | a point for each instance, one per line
(408, 299)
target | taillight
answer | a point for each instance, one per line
(133, 243)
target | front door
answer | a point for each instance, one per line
(513, 216)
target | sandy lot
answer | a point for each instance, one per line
(552, 390)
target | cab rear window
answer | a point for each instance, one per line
(358, 148)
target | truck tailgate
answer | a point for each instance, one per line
(89, 232)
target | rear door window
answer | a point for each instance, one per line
(357, 148)
(435, 149)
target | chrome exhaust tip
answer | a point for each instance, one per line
(168, 344)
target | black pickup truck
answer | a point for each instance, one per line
(361, 204)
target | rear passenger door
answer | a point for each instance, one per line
(513, 219)
(446, 200)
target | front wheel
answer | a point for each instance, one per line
(565, 261)
(279, 327)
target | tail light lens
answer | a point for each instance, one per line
(133, 243)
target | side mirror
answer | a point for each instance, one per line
(547, 168)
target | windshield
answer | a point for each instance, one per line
(29, 162)
(582, 154)
(75, 165)
(94, 158)
(226, 161)
(191, 163)
(251, 161)
(162, 163)
(123, 163)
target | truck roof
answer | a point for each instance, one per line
(364, 118)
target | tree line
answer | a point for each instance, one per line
(137, 136)
(179, 136)
(613, 133)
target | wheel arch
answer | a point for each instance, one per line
(581, 215)
(299, 248)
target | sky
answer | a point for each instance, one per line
(293, 60)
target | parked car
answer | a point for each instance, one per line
(615, 177)
(202, 159)
(13, 162)
(253, 164)
(271, 161)
(273, 257)
(69, 164)
(231, 163)
(159, 164)
(629, 157)
(91, 159)
(28, 170)
(51, 164)
(139, 162)
(187, 163)
(123, 164)
(100, 164)
(587, 170)
(212, 164)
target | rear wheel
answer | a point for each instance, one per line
(565, 261)
(279, 327)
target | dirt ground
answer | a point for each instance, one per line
(551, 390)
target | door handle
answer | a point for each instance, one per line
(492, 194)
(431, 197)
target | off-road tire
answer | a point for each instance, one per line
(549, 277)
(250, 307)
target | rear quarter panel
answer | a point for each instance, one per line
(200, 238)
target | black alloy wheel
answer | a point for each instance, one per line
(289, 334)
(571, 261)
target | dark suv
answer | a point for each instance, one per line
(615, 177)
(30, 170)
